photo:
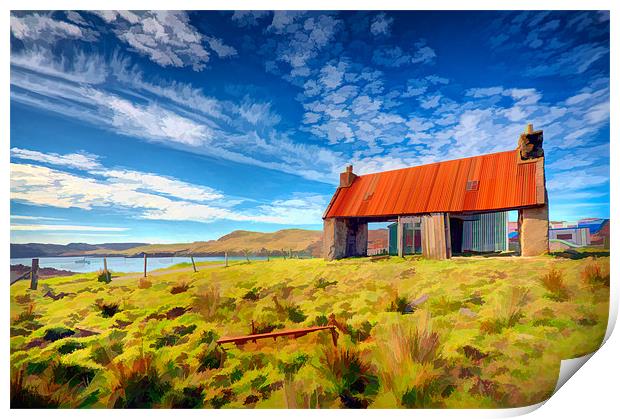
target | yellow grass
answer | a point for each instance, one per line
(489, 334)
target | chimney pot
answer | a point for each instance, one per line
(529, 129)
(347, 177)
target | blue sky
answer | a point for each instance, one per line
(184, 126)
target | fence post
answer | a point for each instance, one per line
(34, 274)
(145, 265)
(226, 259)
(193, 264)
(105, 269)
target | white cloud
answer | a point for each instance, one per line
(82, 160)
(166, 37)
(151, 121)
(42, 28)
(301, 36)
(381, 24)
(424, 54)
(148, 196)
(430, 102)
(222, 50)
(62, 227)
(578, 179)
(159, 184)
(35, 218)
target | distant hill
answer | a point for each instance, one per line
(30, 250)
(304, 242)
(307, 242)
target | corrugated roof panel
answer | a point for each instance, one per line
(504, 183)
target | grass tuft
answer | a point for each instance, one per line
(593, 277)
(553, 281)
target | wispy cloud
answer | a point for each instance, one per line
(34, 218)
(83, 161)
(146, 195)
(62, 227)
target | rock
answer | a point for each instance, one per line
(412, 306)
(467, 313)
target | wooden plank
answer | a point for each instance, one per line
(34, 274)
(435, 236)
(281, 333)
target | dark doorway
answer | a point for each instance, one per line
(456, 235)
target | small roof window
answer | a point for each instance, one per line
(472, 185)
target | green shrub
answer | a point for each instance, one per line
(165, 340)
(323, 283)
(140, 384)
(354, 380)
(321, 320)
(211, 359)
(105, 350)
(69, 347)
(104, 276)
(55, 333)
(224, 397)
(253, 294)
(360, 333)
(184, 330)
(208, 336)
(188, 398)
(108, 309)
(291, 366)
(267, 327)
(72, 375)
(295, 314)
(400, 305)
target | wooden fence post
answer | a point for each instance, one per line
(145, 265)
(105, 269)
(193, 264)
(226, 259)
(34, 274)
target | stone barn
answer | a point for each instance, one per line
(443, 204)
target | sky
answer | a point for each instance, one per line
(166, 127)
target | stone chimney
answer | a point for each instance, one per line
(347, 177)
(531, 144)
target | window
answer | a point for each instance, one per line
(565, 236)
(472, 185)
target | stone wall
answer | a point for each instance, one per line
(344, 238)
(534, 230)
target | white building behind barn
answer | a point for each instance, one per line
(579, 236)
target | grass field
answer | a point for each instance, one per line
(467, 332)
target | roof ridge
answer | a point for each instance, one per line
(438, 162)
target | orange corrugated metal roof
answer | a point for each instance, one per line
(504, 183)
